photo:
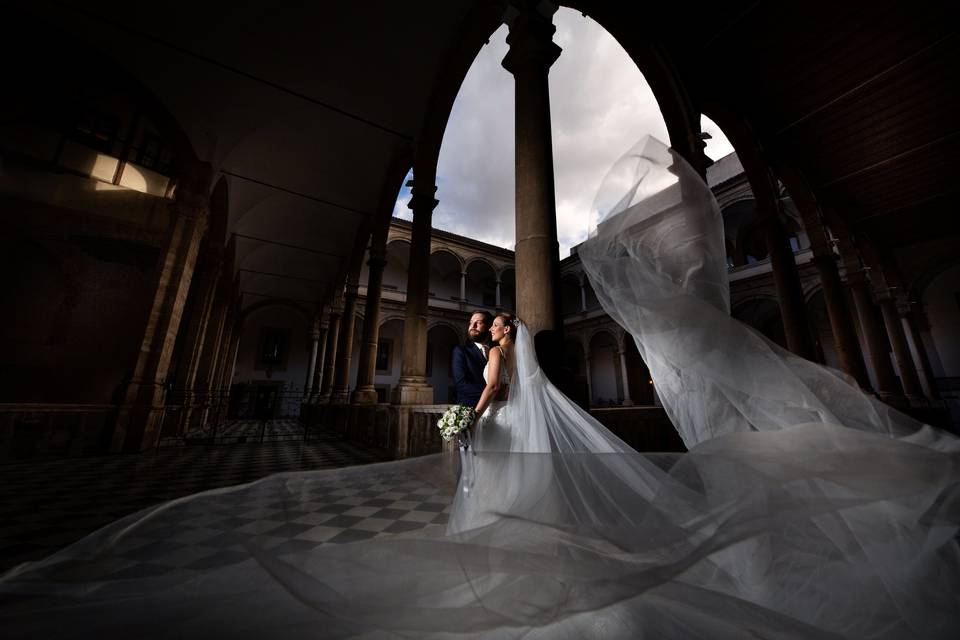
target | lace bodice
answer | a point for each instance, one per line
(504, 375)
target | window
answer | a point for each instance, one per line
(96, 130)
(384, 348)
(274, 348)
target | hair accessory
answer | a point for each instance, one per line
(516, 322)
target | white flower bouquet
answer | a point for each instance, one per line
(455, 421)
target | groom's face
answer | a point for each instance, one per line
(478, 329)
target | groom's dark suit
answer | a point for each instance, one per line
(468, 364)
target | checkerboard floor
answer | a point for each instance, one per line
(46, 505)
(287, 514)
(289, 429)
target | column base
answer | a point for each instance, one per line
(340, 397)
(364, 395)
(412, 391)
(895, 400)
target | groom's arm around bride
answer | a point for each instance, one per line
(468, 363)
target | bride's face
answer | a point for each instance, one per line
(498, 329)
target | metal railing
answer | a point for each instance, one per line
(238, 415)
(39, 430)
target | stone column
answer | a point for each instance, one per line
(223, 362)
(583, 297)
(413, 387)
(877, 356)
(340, 393)
(141, 408)
(911, 324)
(318, 365)
(365, 393)
(226, 375)
(588, 360)
(789, 289)
(841, 322)
(532, 52)
(627, 400)
(314, 339)
(333, 337)
(901, 351)
(463, 286)
(498, 293)
(203, 290)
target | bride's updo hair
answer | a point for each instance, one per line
(509, 321)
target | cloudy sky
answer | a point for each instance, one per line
(600, 106)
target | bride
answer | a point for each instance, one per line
(803, 509)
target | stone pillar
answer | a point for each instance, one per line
(877, 356)
(498, 293)
(532, 52)
(588, 360)
(223, 363)
(333, 337)
(141, 408)
(318, 365)
(314, 339)
(226, 377)
(627, 400)
(365, 393)
(841, 322)
(911, 324)
(463, 286)
(901, 351)
(203, 291)
(583, 297)
(413, 387)
(340, 393)
(789, 289)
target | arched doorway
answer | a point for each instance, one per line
(444, 276)
(508, 289)
(389, 357)
(639, 382)
(481, 285)
(441, 339)
(605, 379)
(398, 264)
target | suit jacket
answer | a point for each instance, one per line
(468, 364)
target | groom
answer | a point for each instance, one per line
(469, 359)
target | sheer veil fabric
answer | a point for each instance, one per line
(803, 509)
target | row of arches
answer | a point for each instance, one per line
(473, 280)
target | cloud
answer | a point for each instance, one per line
(600, 106)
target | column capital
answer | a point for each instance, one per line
(350, 290)
(421, 199)
(531, 37)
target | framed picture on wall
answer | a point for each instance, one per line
(384, 353)
(274, 348)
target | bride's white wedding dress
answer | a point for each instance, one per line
(803, 509)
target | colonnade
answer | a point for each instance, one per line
(882, 316)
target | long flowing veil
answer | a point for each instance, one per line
(803, 509)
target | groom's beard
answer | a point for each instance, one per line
(480, 338)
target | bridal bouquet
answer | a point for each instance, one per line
(455, 421)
